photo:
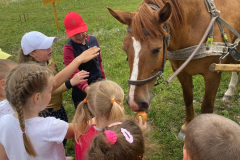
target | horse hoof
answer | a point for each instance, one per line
(181, 135)
(227, 98)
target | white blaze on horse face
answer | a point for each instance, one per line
(134, 75)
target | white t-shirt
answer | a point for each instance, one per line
(5, 108)
(46, 135)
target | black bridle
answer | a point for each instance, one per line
(165, 45)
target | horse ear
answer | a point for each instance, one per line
(122, 16)
(165, 13)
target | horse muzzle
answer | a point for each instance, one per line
(140, 105)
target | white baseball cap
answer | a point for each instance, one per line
(36, 40)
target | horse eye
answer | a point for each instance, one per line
(127, 59)
(156, 50)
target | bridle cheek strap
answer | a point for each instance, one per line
(158, 74)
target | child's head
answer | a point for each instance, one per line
(210, 136)
(104, 101)
(118, 142)
(5, 67)
(27, 89)
(76, 28)
(36, 46)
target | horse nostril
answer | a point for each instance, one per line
(144, 106)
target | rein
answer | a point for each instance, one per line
(194, 52)
(215, 17)
(232, 48)
(165, 45)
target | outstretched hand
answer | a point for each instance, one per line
(79, 77)
(89, 54)
(141, 124)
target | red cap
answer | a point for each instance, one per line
(74, 24)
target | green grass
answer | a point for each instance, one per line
(167, 111)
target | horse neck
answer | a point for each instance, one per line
(196, 19)
(188, 31)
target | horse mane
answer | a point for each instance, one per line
(145, 19)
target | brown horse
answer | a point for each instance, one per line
(144, 46)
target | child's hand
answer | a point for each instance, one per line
(142, 125)
(89, 54)
(79, 77)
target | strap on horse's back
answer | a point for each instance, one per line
(211, 7)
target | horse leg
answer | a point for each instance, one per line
(232, 87)
(211, 88)
(187, 87)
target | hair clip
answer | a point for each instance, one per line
(23, 132)
(112, 101)
(111, 137)
(127, 135)
(114, 124)
(85, 100)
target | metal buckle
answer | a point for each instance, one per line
(234, 53)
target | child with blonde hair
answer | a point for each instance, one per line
(5, 67)
(24, 135)
(119, 141)
(104, 101)
(212, 137)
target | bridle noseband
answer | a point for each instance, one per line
(165, 45)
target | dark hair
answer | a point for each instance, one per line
(121, 149)
(22, 82)
(210, 136)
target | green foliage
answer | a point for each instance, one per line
(167, 111)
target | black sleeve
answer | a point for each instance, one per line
(68, 84)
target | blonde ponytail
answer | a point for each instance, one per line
(117, 112)
(81, 120)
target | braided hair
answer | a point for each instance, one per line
(23, 82)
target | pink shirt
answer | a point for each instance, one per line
(86, 139)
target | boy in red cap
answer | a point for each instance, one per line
(78, 42)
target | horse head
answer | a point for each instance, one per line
(144, 46)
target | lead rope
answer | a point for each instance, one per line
(231, 48)
(194, 52)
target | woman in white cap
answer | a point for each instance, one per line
(37, 47)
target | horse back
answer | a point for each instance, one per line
(197, 18)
